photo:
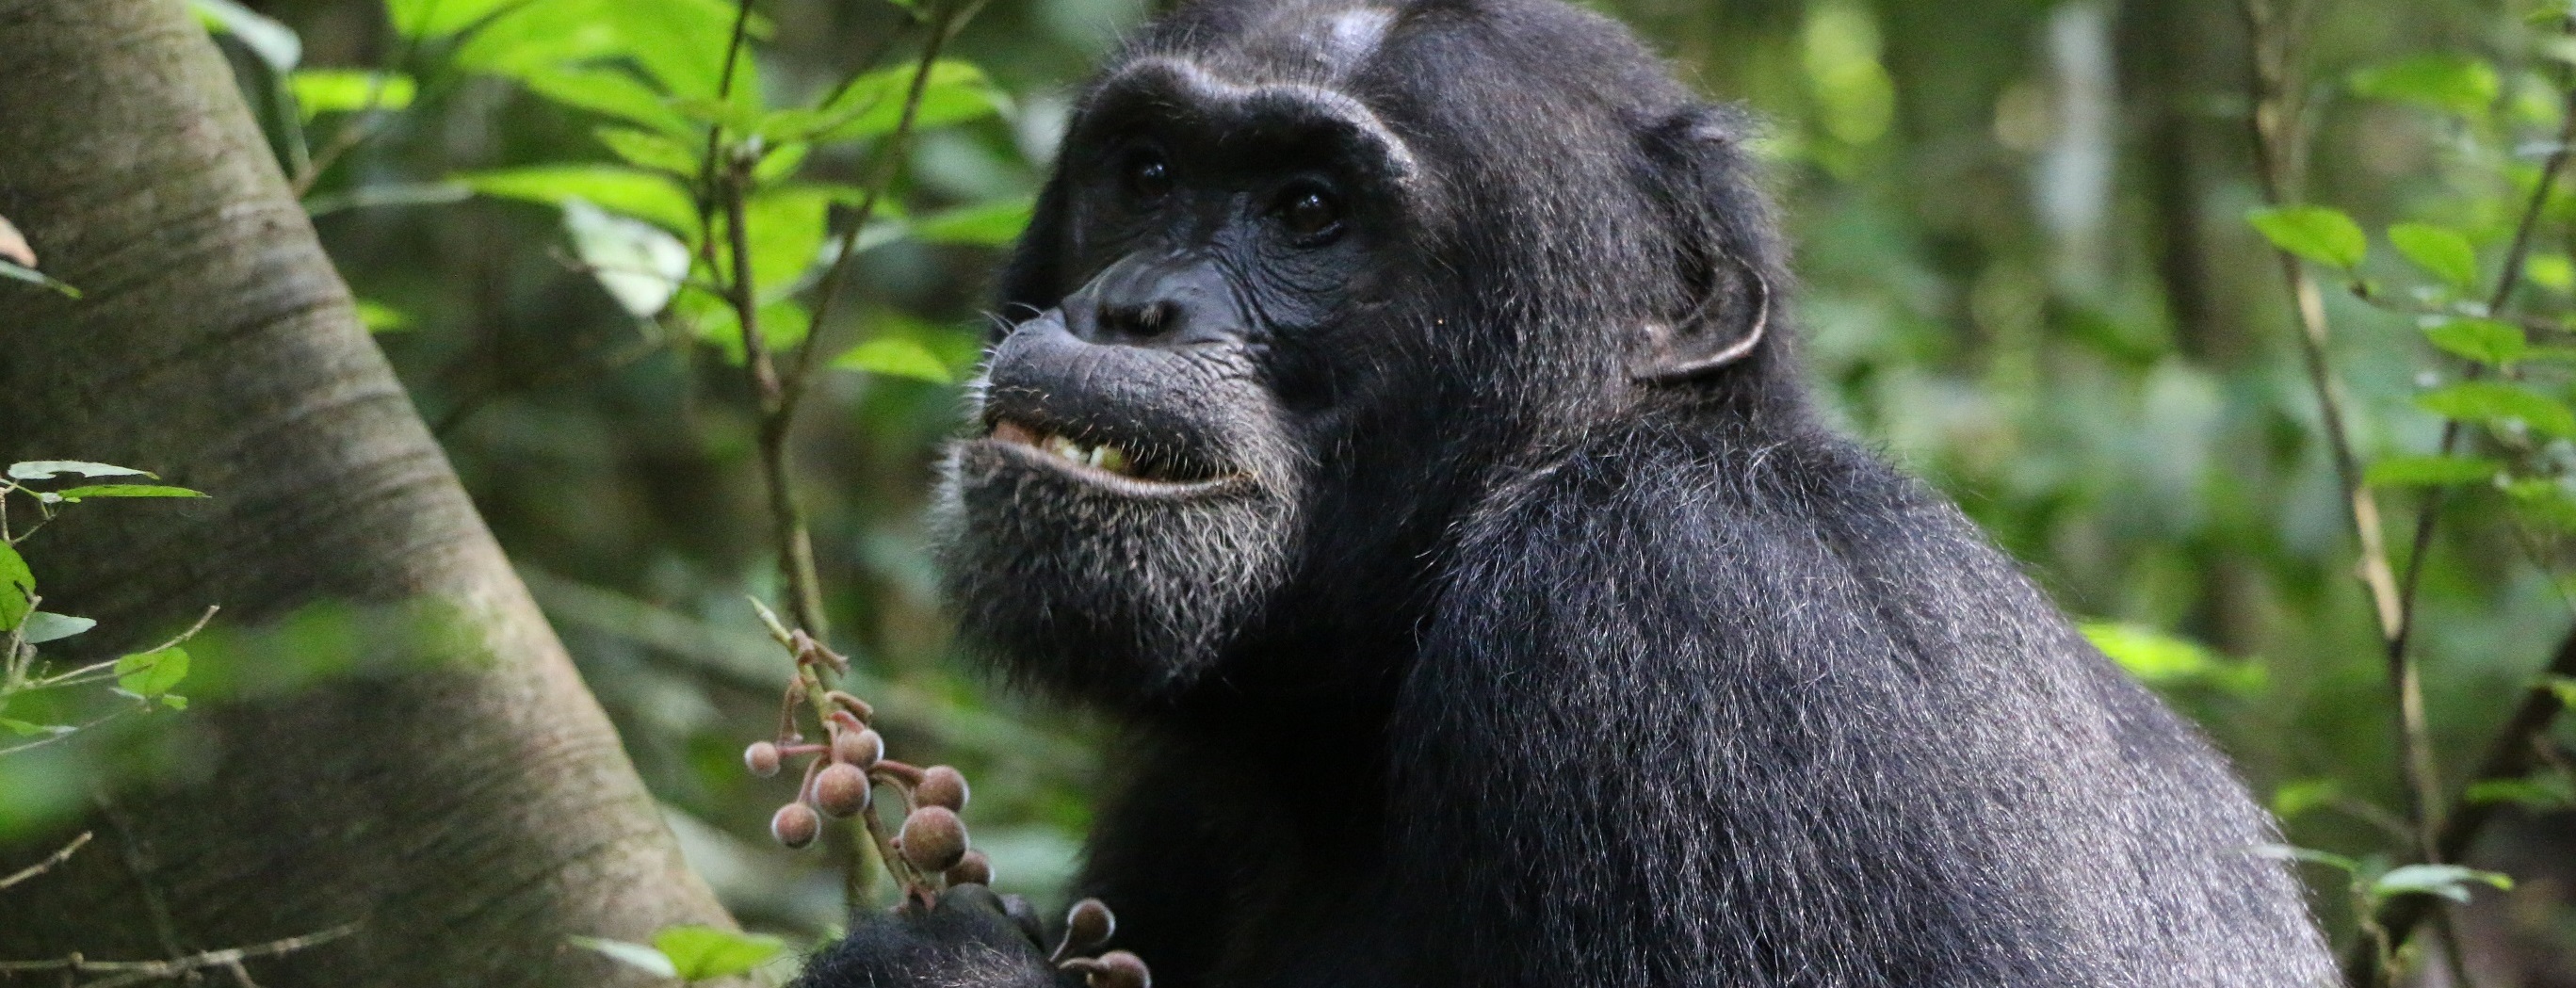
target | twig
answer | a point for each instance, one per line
(48, 864)
(138, 972)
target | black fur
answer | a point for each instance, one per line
(1496, 666)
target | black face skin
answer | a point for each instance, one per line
(1487, 605)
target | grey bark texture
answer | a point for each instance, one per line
(461, 796)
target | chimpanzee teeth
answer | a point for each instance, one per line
(1101, 457)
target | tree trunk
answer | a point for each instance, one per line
(460, 796)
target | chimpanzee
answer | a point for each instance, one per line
(1401, 431)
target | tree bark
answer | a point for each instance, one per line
(459, 795)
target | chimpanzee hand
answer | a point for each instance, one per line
(970, 938)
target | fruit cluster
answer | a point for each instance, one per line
(929, 851)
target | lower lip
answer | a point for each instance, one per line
(1137, 487)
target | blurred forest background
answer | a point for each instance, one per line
(2027, 275)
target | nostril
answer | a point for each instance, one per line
(1144, 321)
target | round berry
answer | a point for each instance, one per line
(1120, 969)
(796, 825)
(861, 747)
(934, 840)
(761, 758)
(1088, 925)
(941, 786)
(973, 869)
(841, 790)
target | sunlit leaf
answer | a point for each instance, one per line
(274, 42)
(987, 224)
(2538, 794)
(2454, 83)
(2318, 233)
(644, 195)
(320, 91)
(17, 588)
(872, 106)
(2432, 471)
(2448, 881)
(2483, 340)
(702, 952)
(2310, 855)
(50, 469)
(151, 674)
(2161, 659)
(15, 271)
(75, 495)
(895, 356)
(609, 92)
(435, 18)
(2498, 404)
(647, 149)
(26, 729)
(634, 955)
(2294, 799)
(2440, 252)
(381, 318)
(678, 43)
(45, 626)
(639, 264)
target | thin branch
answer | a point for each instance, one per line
(137, 972)
(41, 867)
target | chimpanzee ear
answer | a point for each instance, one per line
(1728, 318)
(1698, 177)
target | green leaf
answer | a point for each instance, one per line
(27, 730)
(2532, 793)
(151, 674)
(609, 92)
(2448, 881)
(15, 271)
(320, 91)
(2454, 83)
(872, 106)
(2483, 340)
(985, 225)
(2294, 799)
(381, 318)
(639, 264)
(640, 194)
(2432, 471)
(679, 44)
(2497, 404)
(787, 226)
(437, 18)
(2443, 253)
(895, 356)
(702, 952)
(647, 149)
(2556, 272)
(2310, 855)
(631, 954)
(49, 469)
(2161, 659)
(17, 588)
(2564, 687)
(2318, 233)
(274, 43)
(75, 495)
(46, 626)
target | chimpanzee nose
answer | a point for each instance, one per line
(1155, 301)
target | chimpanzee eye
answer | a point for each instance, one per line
(1309, 212)
(1145, 175)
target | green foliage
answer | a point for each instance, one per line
(2433, 471)
(2483, 340)
(692, 953)
(2442, 81)
(320, 91)
(2318, 233)
(895, 356)
(2443, 253)
(2501, 405)
(2161, 659)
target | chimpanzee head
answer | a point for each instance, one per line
(1307, 274)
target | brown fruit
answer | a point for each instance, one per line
(934, 840)
(796, 825)
(861, 747)
(1120, 969)
(761, 758)
(973, 869)
(841, 790)
(1088, 925)
(941, 786)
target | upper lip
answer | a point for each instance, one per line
(1132, 467)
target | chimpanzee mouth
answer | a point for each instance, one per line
(1130, 469)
